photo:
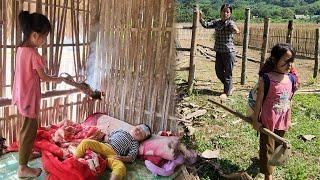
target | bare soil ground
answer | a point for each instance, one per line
(205, 68)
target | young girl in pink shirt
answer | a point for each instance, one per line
(26, 87)
(273, 110)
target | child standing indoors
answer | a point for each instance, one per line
(120, 146)
(273, 110)
(26, 87)
(224, 47)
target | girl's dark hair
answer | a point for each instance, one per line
(276, 53)
(227, 6)
(148, 129)
(34, 22)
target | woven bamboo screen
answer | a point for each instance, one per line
(136, 51)
(303, 38)
(131, 43)
(66, 50)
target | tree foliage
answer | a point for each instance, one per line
(275, 9)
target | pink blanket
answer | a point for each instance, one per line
(57, 145)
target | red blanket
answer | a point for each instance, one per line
(57, 144)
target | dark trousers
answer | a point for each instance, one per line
(27, 136)
(267, 147)
(224, 67)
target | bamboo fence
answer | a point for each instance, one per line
(132, 42)
(303, 38)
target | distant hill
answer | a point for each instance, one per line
(275, 9)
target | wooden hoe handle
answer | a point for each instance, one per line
(249, 120)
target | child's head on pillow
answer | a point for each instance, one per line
(141, 132)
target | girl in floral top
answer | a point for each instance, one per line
(273, 110)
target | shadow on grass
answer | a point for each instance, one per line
(206, 92)
(182, 91)
(253, 169)
(219, 169)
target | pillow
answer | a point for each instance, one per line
(107, 124)
(162, 146)
(92, 119)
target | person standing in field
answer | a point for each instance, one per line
(224, 47)
(26, 92)
(273, 109)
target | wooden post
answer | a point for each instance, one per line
(245, 46)
(316, 54)
(265, 41)
(290, 30)
(193, 48)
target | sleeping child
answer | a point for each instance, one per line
(117, 147)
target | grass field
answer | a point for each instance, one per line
(237, 141)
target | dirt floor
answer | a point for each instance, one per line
(205, 72)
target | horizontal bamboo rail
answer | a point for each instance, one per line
(128, 45)
(55, 106)
(303, 38)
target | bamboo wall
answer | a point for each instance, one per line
(70, 22)
(132, 41)
(303, 38)
(138, 38)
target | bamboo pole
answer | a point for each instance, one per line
(51, 42)
(63, 29)
(84, 34)
(193, 48)
(59, 22)
(88, 29)
(289, 33)
(19, 6)
(14, 21)
(1, 60)
(245, 46)
(72, 36)
(77, 36)
(39, 6)
(45, 46)
(4, 57)
(265, 41)
(316, 54)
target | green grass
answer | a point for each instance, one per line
(238, 143)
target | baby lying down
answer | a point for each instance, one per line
(116, 147)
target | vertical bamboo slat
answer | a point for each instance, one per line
(123, 62)
(149, 57)
(169, 110)
(4, 57)
(1, 60)
(156, 84)
(14, 20)
(44, 47)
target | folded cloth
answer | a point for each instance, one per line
(167, 169)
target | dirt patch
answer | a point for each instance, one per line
(205, 73)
